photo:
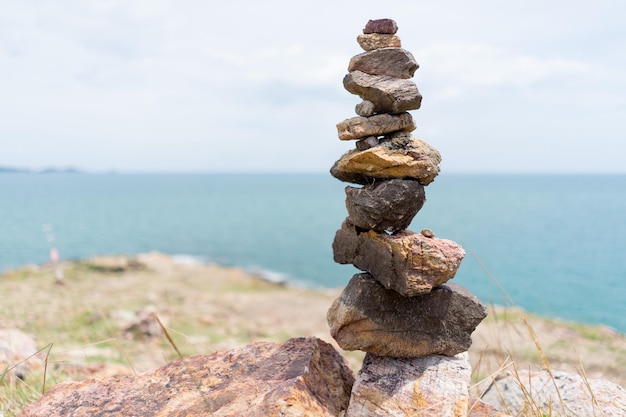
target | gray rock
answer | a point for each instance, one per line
(386, 205)
(394, 62)
(576, 396)
(376, 125)
(388, 26)
(18, 354)
(396, 156)
(389, 94)
(406, 262)
(366, 143)
(433, 385)
(373, 41)
(365, 108)
(368, 317)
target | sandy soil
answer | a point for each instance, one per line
(208, 307)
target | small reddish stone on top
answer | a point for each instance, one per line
(384, 26)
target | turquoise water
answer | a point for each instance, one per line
(556, 244)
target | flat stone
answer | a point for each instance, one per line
(388, 26)
(376, 125)
(394, 62)
(389, 94)
(396, 156)
(365, 108)
(409, 263)
(576, 396)
(371, 318)
(373, 41)
(433, 385)
(302, 377)
(386, 205)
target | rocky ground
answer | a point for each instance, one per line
(103, 321)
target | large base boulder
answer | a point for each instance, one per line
(430, 386)
(368, 317)
(303, 376)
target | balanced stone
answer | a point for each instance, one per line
(367, 143)
(365, 108)
(396, 156)
(389, 94)
(388, 26)
(394, 62)
(373, 41)
(386, 205)
(376, 125)
(433, 385)
(409, 263)
(371, 318)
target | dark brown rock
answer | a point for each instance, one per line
(576, 395)
(394, 62)
(366, 143)
(373, 41)
(389, 94)
(406, 262)
(387, 26)
(376, 125)
(386, 205)
(397, 156)
(371, 318)
(433, 385)
(303, 376)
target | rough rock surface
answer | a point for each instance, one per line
(373, 41)
(365, 108)
(389, 94)
(18, 353)
(406, 262)
(377, 125)
(366, 143)
(396, 156)
(478, 408)
(303, 376)
(381, 26)
(430, 386)
(394, 62)
(387, 205)
(578, 397)
(368, 317)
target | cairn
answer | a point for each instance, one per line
(415, 327)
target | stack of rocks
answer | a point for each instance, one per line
(400, 310)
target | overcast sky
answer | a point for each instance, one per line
(184, 85)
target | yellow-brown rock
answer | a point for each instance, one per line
(396, 156)
(376, 125)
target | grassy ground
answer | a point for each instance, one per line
(82, 327)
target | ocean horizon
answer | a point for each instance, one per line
(552, 244)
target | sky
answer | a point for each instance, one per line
(256, 86)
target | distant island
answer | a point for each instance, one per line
(51, 170)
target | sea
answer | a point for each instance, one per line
(554, 245)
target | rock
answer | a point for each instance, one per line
(430, 386)
(373, 41)
(394, 62)
(389, 94)
(368, 317)
(576, 395)
(388, 26)
(386, 205)
(18, 354)
(427, 233)
(377, 125)
(303, 376)
(139, 324)
(365, 108)
(114, 264)
(397, 156)
(366, 143)
(409, 263)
